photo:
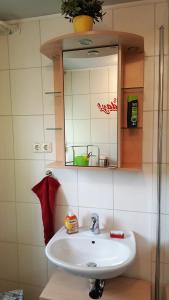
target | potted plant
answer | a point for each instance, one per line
(83, 13)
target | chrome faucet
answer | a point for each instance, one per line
(94, 227)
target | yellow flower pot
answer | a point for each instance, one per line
(82, 23)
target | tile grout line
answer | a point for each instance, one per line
(13, 137)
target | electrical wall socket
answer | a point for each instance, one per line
(36, 148)
(46, 147)
(42, 147)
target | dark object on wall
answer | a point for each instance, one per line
(132, 111)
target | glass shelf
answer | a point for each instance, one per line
(53, 128)
(53, 93)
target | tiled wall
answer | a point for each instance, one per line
(85, 124)
(124, 200)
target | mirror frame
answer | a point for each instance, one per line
(130, 82)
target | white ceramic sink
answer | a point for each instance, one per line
(75, 252)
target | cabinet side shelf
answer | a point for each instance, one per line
(54, 93)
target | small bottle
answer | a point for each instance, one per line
(71, 223)
(103, 162)
(132, 112)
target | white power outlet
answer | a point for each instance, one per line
(36, 148)
(46, 147)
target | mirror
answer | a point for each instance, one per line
(90, 102)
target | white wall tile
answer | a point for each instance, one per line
(69, 135)
(32, 265)
(67, 82)
(164, 188)
(48, 86)
(106, 24)
(161, 19)
(81, 131)
(148, 83)
(167, 190)
(105, 217)
(7, 222)
(51, 269)
(67, 194)
(166, 229)
(100, 131)
(99, 80)
(113, 128)
(5, 101)
(113, 73)
(147, 137)
(29, 224)
(60, 214)
(141, 268)
(164, 137)
(155, 186)
(130, 19)
(113, 154)
(6, 138)
(50, 136)
(162, 237)
(27, 131)
(102, 98)
(95, 189)
(26, 91)
(133, 190)
(68, 105)
(7, 180)
(80, 82)
(52, 27)
(28, 173)
(4, 62)
(8, 261)
(81, 107)
(24, 46)
(156, 83)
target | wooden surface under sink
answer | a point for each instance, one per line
(167, 292)
(64, 286)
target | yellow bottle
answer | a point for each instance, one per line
(71, 223)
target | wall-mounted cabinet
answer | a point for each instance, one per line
(98, 90)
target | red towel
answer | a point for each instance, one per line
(46, 190)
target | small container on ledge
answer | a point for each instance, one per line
(71, 223)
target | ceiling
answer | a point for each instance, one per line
(18, 9)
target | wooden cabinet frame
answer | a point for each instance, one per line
(130, 82)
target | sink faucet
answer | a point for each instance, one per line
(94, 227)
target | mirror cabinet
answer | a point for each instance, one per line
(98, 90)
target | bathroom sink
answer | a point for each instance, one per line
(92, 256)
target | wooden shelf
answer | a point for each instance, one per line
(132, 83)
(54, 93)
(62, 286)
(71, 41)
(60, 165)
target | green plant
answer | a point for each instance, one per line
(73, 8)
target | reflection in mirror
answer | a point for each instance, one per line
(90, 98)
